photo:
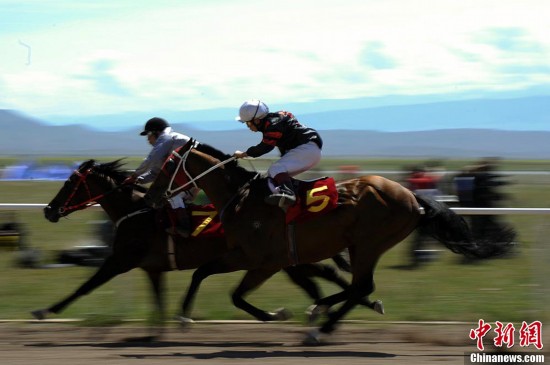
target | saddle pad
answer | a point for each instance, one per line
(314, 198)
(205, 221)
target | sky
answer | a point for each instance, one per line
(66, 57)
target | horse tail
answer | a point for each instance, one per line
(440, 222)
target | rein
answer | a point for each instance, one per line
(141, 211)
(192, 180)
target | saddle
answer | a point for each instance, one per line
(205, 220)
(313, 198)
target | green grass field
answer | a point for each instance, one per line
(511, 289)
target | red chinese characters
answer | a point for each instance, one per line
(505, 334)
(479, 332)
(529, 334)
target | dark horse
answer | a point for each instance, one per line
(372, 216)
(140, 241)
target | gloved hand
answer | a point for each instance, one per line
(239, 154)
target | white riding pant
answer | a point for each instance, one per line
(178, 201)
(297, 160)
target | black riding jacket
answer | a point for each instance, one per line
(282, 130)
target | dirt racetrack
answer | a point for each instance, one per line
(50, 343)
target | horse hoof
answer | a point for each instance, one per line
(281, 314)
(185, 322)
(315, 311)
(313, 338)
(40, 314)
(379, 307)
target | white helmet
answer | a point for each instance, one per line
(252, 109)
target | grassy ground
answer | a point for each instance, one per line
(513, 289)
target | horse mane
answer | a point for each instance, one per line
(214, 152)
(238, 174)
(111, 170)
(246, 183)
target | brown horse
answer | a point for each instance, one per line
(140, 240)
(372, 216)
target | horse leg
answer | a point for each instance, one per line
(252, 280)
(361, 287)
(111, 267)
(323, 305)
(157, 284)
(156, 280)
(341, 261)
(216, 266)
(198, 276)
(301, 276)
(329, 273)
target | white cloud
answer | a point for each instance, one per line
(194, 55)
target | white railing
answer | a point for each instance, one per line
(461, 211)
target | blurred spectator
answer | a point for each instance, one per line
(424, 183)
(478, 186)
(31, 170)
(14, 235)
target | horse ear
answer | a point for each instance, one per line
(86, 164)
(186, 146)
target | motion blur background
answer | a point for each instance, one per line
(426, 96)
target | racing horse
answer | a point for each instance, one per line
(373, 215)
(140, 241)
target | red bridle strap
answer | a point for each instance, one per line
(84, 204)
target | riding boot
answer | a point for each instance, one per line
(181, 223)
(284, 195)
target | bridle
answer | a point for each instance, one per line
(66, 208)
(182, 159)
(170, 190)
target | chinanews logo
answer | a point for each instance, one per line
(505, 336)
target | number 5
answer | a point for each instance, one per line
(311, 199)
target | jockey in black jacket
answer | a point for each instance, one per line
(299, 145)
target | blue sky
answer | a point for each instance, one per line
(102, 57)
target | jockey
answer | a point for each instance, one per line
(164, 141)
(300, 147)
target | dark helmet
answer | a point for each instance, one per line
(154, 125)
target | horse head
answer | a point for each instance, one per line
(86, 186)
(171, 174)
(200, 165)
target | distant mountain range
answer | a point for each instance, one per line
(521, 113)
(484, 130)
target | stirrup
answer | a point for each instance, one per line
(281, 200)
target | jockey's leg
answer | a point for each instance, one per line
(181, 222)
